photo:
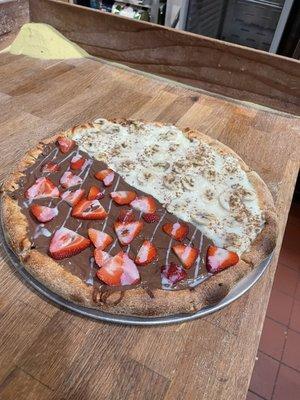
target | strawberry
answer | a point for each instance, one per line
(95, 193)
(119, 270)
(127, 231)
(123, 197)
(101, 257)
(106, 176)
(150, 218)
(146, 254)
(43, 213)
(69, 179)
(43, 187)
(77, 162)
(99, 239)
(186, 254)
(89, 209)
(67, 243)
(65, 144)
(72, 198)
(145, 204)
(177, 231)
(218, 259)
(172, 274)
(50, 167)
(126, 216)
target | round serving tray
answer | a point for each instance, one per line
(239, 289)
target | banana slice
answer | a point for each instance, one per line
(172, 181)
(203, 218)
(224, 200)
(188, 182)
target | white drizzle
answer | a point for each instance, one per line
(90, 278)
(40, 230)
(110, 204)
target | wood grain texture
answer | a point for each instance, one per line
(13, 14)
(209, 64)
(59, 355)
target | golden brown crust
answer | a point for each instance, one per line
(136, 301)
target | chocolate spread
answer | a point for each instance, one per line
(83, 264)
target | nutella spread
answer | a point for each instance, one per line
(83, 264)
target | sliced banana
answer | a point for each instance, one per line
(188, 182)
(203, 218)
(172, 181)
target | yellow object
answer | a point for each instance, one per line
(44, 42)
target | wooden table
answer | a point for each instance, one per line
(48, 353)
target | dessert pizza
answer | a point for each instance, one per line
(137, 218)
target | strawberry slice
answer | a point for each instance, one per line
(177, 231)
(145, 204)
(69, 179)
(77, 162)
(95, 193)
(106, 176)
(65, 144)
(186, 254)
(101, 257)
(43, 187)
(146, 254)
(151, 218)
(127, 231)
(72, 198)
(123, 197)
(99, 239)
(43, 213)
(119, 270)
(218, 259)
(172, 274)
(66, 243)
(89, 209)
(50, 167)
(126, 216)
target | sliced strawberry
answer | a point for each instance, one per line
(186, 254)
(77, 162)
(145, 204)
(119, 270)
(147, 253)
(95, 193)
(72, 198)
(127, 231)
(177, 230)
(89, 209)
(172, 274)
(65, 144)
(43, 213)
(101, 257)
(43, 187)
(218, 259)
(99, 239)
(69, 179)
(126, 216)
(50, 167)
(67, 243)
(106, 176)
(123, 197)
(151, 218)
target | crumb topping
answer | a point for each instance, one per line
(194, 180)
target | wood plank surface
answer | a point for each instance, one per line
(48, 353)
(13, 14)
(206, 63)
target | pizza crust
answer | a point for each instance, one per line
(135, 301)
